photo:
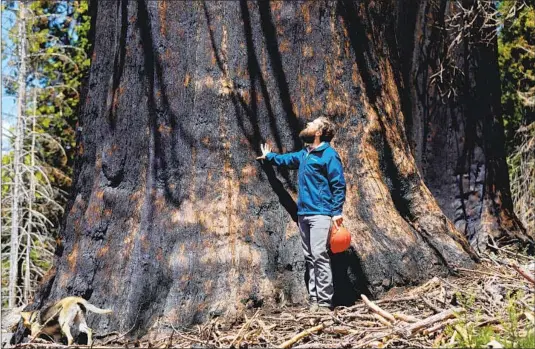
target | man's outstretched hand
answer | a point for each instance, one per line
(265, 148)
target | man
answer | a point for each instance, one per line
(322, 189)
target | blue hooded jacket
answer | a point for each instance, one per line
(322, 187)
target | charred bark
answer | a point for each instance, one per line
(173, 220)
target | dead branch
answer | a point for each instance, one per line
(439, 326)
(430, 305)
(382, 320)
(406, 318)
(447, 314)
(524, 273)
(378, 310)
(301, 335)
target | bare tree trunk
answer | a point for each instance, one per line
(29, 216)
(31, 198)
(17, 162)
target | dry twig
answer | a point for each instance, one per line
(301, 335)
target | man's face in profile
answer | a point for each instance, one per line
(308, 134)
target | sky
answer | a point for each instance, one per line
(8, 102)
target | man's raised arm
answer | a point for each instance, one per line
(290, 160)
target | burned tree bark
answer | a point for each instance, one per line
(173, 220)
(454, 119)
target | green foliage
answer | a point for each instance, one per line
(7, 176)
(527, 341)
(56, 60)
(60, 33)
(510, 334)
(5, 280)
(516, 47)
(58, 46)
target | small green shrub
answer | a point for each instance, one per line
(469, 335)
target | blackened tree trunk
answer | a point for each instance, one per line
(173, 220)
(454, 119)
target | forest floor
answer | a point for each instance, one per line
(492, 306)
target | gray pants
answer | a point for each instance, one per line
(314, 237)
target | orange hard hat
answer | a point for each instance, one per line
(340, 239)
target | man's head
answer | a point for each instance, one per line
(320, 129)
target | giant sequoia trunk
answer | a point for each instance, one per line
(172, 219)
(454, 119)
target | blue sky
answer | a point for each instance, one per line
(8, 102)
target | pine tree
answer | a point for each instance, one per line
(49, 60)
(517, 66)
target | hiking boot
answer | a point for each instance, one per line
(314, 307)
(324, 309)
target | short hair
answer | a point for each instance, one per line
(327, 129)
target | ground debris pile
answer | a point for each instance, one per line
(494, 303)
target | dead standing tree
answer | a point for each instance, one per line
(172, 219)
(28, 198)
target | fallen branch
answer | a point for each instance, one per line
(341, 330)
(382, 320)
(439, 326)
(523, 273)
(188, 337)
(55, 345)
(476, 296)
(301, 335)
(368, 317)
(428, 285)
(366, 341)
(406, 318)
(398, 299)
(486, 273)
(435, 309)
(447, 314)
(377, 309)
(244, 328)
(487, 321)
(318, 345)
(516, 255)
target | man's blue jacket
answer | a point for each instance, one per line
(322, 187)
